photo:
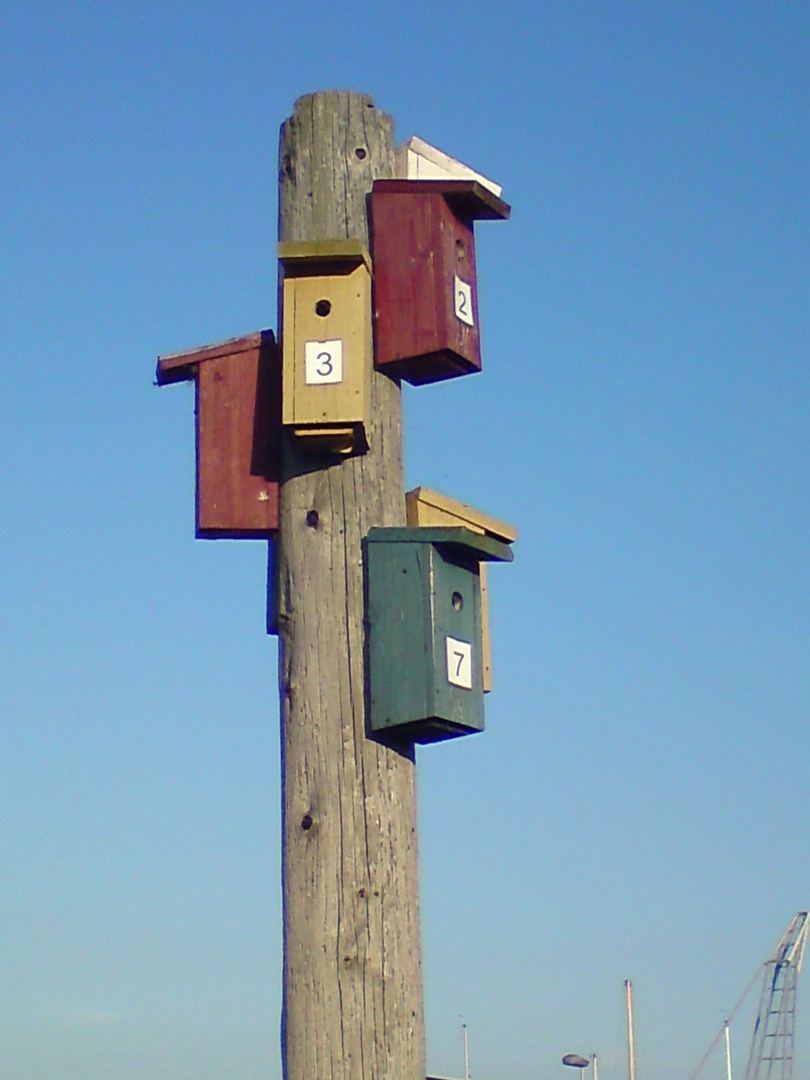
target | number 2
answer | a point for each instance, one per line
(463, 304)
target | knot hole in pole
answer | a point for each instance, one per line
(312, 519)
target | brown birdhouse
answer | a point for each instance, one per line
(238, 408)
(425, 284)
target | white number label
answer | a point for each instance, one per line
(323, 361)
(459, 663)
(464, 310)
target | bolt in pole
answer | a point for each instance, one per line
(352, 980)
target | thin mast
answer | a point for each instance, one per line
(630, 1048)
(728, 1051)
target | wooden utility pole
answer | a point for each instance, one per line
(353, 1004)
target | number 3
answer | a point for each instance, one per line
(323, 362)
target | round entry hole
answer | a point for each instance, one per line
(322, 308)
(460, 248)
(360, 153)
(458, 601)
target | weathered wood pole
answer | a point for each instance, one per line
(352, 956)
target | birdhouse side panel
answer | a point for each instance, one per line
(400, 666)
(460, 295)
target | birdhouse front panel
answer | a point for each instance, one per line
(326, 347)
(425, 281)
(238, 422)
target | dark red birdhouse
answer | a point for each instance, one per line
(425, 285)
(238, 431)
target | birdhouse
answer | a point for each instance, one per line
(425, 284)
(425, 674)
(423, 508)
(238, 410)
(327, 344)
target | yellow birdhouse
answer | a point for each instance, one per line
(326, 344)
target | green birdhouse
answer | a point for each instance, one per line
(425, 668)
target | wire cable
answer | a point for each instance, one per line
(733, 1013)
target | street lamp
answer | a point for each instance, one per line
(577, 1061)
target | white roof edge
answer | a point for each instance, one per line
(418, 160)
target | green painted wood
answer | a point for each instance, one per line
(457, 539)
(422, 593)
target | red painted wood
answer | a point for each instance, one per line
(423, 237)
(238, 431)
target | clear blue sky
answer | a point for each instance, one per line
(637, 806)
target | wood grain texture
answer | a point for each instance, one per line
(424, 507)
(346, 290)
(238, 434)
(352, 956)
(238, 409)
(420, 244)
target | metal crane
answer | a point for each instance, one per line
(771, 1054)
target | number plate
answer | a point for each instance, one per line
(459, 663)
(464, 308)
(323, 362)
